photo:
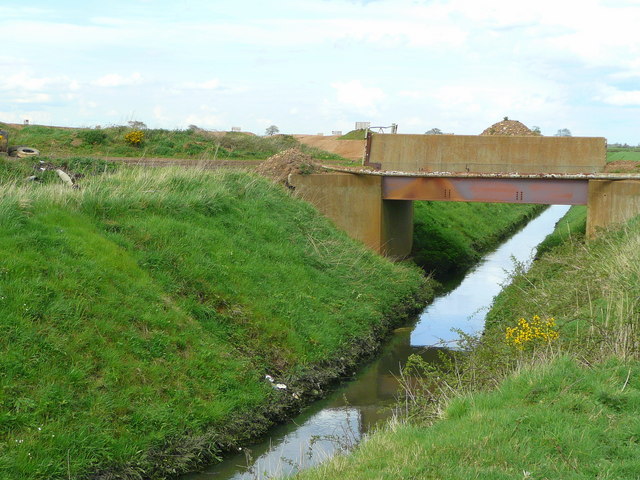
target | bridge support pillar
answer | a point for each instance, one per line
(355, 204)
(611, 202)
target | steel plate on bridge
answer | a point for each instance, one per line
(550, 191)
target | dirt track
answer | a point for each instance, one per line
(351, 149)
(622, 166)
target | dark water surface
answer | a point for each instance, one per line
(338, 422)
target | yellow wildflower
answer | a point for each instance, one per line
(529, 333)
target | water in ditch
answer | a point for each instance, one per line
(337, 423)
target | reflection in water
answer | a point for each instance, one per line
(465, 307)
(337, 423)
(321, 436)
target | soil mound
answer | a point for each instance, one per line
(279, 166)
(351, 149)
(509, 127)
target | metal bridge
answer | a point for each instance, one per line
(375, 203)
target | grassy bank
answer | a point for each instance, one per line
(555, 421)
(571, 227)
(190, 143)
(140, 314)
(449, 237)
(555, 408)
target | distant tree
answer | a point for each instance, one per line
(135, 124)
(563, 132)
(505, 119)
(272, 130)
(536, 130)
(433, 131)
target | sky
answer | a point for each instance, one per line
(317, 66)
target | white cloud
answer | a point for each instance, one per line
(35, 117)
(414, 94)
(354, 94)
(395, 33)
(24, 81)
(117, 80)
(211, 84)
(413, 122)
(621, 98)
(16, 11)
(33, 98)
(159, 113)
(205, 120)
(628, 69)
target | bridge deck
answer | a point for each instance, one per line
(496, 190)
(449, 174)
(550, 189)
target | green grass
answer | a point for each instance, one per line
(190, 143)
(559, 421)
(449, 237)
(569, 409)
(620, 153)
(571, 226)
(140, 313)
(354, 135)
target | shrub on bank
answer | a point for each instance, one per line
(134, 137)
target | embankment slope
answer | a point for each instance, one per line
(140, 314)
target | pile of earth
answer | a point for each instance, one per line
(509, 127)
(279, 166)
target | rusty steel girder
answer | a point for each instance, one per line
(493, 190)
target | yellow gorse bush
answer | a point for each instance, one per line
(134, 137)
(533, 332)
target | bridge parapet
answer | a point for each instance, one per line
(485, 154)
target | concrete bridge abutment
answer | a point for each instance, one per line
(355, 204)
(610, 203)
